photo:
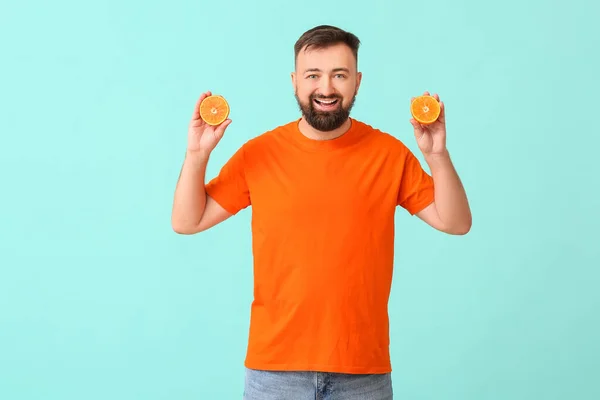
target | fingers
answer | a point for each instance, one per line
(435, 95)
(196, 114)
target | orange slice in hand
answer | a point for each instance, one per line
(425, 109)
(214, 109)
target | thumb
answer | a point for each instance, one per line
(417, 127)
(220, 130)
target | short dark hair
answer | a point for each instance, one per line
(323, 36)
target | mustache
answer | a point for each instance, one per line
(320, 96)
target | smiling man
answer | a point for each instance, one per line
(324, 190)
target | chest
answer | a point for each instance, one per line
(332, 186)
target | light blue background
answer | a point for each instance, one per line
(100, 299)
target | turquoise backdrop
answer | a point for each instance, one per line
(100, 299)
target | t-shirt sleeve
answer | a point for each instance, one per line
(230, 188)
(416, 186)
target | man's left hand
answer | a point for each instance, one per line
(431, 138)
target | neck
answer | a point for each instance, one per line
(315, 134)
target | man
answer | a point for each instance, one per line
(323, 191)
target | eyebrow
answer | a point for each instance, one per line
(334, 70)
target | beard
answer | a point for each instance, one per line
(325, 121)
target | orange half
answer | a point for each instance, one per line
(425, 109)
(214, 109)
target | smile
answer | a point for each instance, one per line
(328, 102)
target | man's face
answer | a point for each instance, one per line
(326, 83)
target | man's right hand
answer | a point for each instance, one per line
(202, 138)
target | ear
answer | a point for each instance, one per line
(358, 80)
(293, 76)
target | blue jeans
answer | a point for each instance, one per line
(293, 385)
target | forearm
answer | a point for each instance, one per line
(450, 197)
(190, 194)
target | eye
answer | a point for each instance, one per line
(341, 76)
(311, 76)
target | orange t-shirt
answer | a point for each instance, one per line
(323, 243)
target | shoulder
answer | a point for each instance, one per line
(382, 139)
(268, 139)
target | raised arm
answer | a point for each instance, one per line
(450, 211)
(193, 210)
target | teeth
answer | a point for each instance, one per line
(327, 102)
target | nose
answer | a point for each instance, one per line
(325, 87)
